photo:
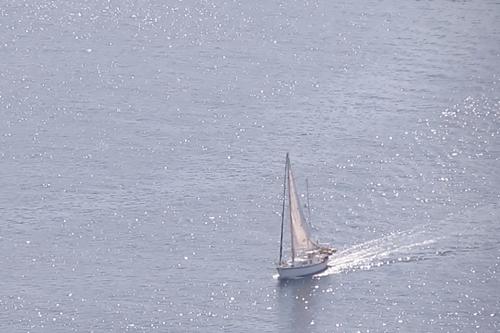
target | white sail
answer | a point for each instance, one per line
(301, 239)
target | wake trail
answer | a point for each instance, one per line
(396, 247)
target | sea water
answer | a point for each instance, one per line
(142, 150)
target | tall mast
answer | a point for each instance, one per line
(290, 200)
(308, 205)
(283, 211)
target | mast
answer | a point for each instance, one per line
(290, 200)
(283, 211)
(308, 205)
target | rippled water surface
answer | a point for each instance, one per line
(142, 148)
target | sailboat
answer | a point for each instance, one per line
(307, 257)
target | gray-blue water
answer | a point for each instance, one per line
(142, 148)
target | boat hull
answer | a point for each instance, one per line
(302, 271)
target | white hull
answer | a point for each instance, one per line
(294, 272)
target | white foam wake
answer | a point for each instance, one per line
(396, 247)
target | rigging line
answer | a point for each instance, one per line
(308, 204)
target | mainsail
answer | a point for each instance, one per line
(301, 236)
